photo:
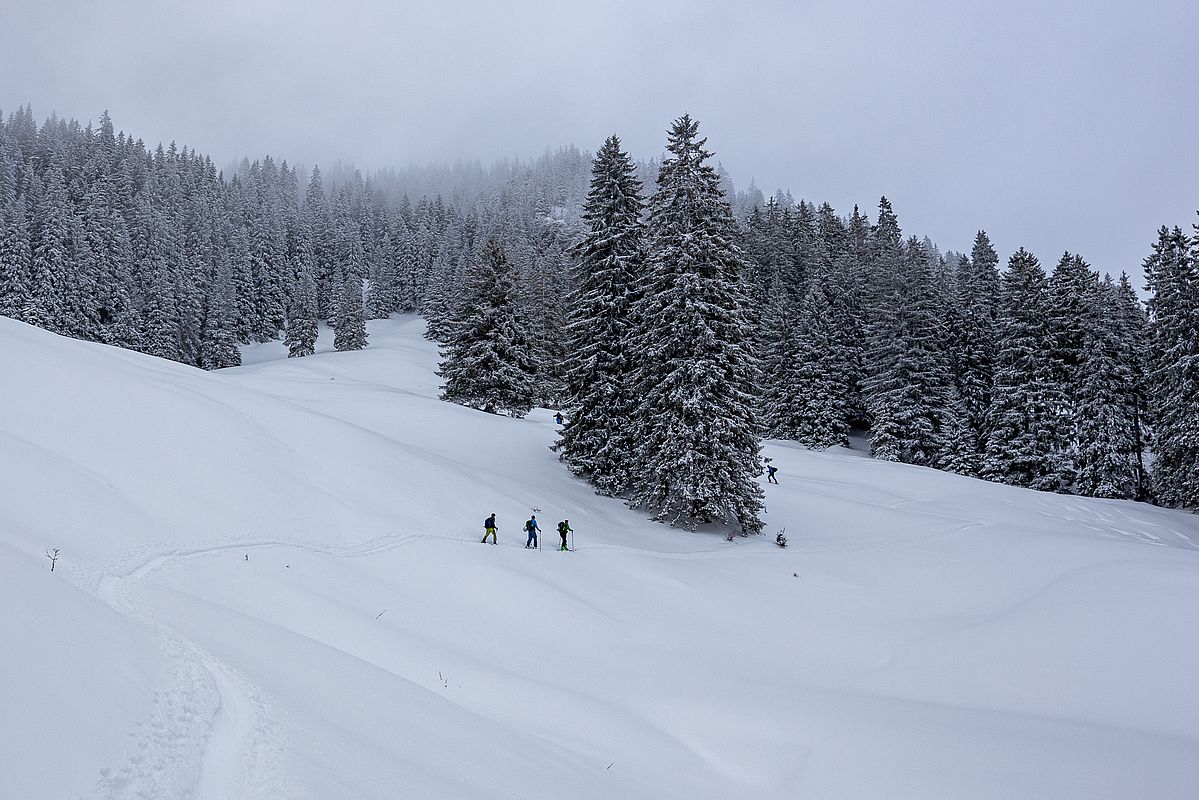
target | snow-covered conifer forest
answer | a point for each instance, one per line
(272, 437)
(816, 322)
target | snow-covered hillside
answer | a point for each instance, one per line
(271, 585)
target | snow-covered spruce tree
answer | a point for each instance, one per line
(160, 316)
(385, 278)
(1106, 457)
(977, 295)
(1072, 316)
(486, 364)
(346, 304)
(850, 276)
(884, 256)
(158, 251)
(92, 235)
(16, 261)
(243, 281)
(350, 333)
(778, 346)
(596, 441)
(1132, 336)
(547, 292)
(301, 317)
(1072, 299)
(220, 348)
(191, 302)
(698, 450)
(1025, 440)
(268, 250)
(1172, 271)
(805, 365)
(405, 260)
(824, 366)
(316, 220)
(50, 266)
(769, 244)
(909, 389)
(8, 172)
(107, 232)
(439, 306)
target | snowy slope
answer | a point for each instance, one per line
(271, 585)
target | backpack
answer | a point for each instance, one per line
(562, 527)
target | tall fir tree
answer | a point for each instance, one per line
(220, 348)
(16, 260)
(1106, 457)
(50, 262)
(778, 344)
(1132, 337)
(350, 332)
(439, 306)
(301, 316)
(316, 221)
(546, 288)
(243, 281)
(1172, 271)
(596, 441)
(851, 274)
(909, 389)
(824, 365)
(696, 426)
(385, 280)
(487, 363)
(1072, 317)
(977, 296)
(1025, 441)
(159, 299)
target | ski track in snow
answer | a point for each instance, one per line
(210, 736)
(212, 718)
(146, 561)
(221, 771)
(167, 752)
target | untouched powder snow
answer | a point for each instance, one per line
(271, 585)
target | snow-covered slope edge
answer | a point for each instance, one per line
(270, 586)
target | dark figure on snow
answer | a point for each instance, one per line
(770, 470)
(531, 527)
(563, 529)
(489, 528)
(558, 418)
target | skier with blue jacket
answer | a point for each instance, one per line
(531, 527)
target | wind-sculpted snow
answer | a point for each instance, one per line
(271, 585)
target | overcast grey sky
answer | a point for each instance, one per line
(1053, 125)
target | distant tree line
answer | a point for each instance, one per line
(105, 240)
(674, 326)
